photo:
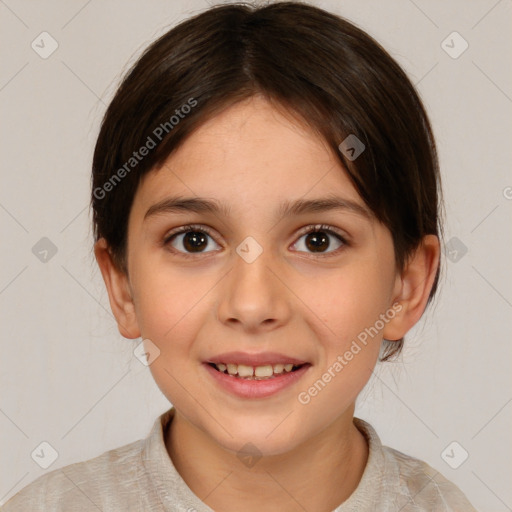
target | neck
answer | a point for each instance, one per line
(319, 474)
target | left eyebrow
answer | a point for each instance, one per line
(179, 204)
(323, 204)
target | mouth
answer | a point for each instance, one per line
(261, 372)
(255, 375)
(255, 379)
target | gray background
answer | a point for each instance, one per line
(68, 377)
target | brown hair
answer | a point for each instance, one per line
(316, 65)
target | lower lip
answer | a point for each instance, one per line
(245, 388)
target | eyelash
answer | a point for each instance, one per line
(309, 229)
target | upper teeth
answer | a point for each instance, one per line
(257, 371)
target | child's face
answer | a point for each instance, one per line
(291, 300)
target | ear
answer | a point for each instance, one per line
(119, 293)
(412, 288)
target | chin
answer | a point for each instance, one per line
(258, 438)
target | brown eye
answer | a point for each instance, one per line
(190, 241)
(320, 240)
(194, 241)
(317, 241)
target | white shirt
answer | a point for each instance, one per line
(141, 476)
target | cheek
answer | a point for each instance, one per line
(170, 311)
(347, 307)
(168, 302)
(348, 303)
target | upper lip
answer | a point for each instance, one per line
(260, 359)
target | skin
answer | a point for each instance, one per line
(291, 300)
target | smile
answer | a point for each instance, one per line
(255, 382)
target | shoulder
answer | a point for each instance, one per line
(397, 481)
(421, 487)
(82, 486)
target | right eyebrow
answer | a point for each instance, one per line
(177, 204)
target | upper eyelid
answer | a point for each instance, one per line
(324, 227)
(186, 228)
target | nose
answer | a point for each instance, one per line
(253, 298)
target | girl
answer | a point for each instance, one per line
(265, 198)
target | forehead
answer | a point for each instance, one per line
(251, 155)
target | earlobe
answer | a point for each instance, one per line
(413, 286)
(118, 288)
